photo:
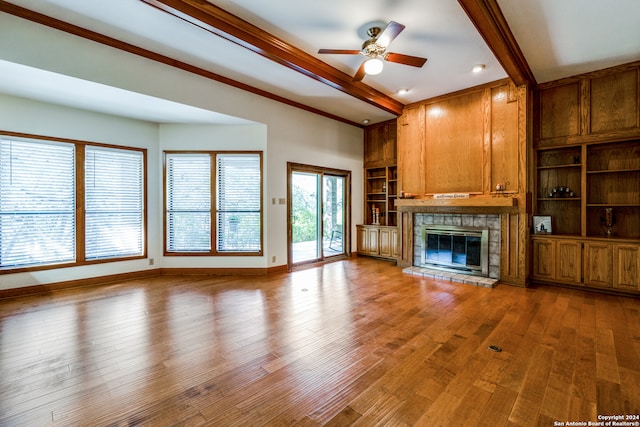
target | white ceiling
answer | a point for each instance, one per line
(559, 38)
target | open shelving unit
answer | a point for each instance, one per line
(613, 181)
(599, 176)
(380, 194)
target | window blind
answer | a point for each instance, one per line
(188, 202)
(37, 203)
(114, 202)
(238, 202)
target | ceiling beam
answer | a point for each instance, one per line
(228, 26)
(492, 26)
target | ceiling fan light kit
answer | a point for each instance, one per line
(375, 49)
(373, 66)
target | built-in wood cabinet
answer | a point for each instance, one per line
(378, 241)
(600, 264)
(593, 107)
(378, 236)
(587, 175)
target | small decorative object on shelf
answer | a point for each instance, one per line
(376, 216)
(542, 224)
(560, 192)
(501, 188)
(608, 220)
(404, 195)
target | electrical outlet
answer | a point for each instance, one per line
(151, 261)
(273, 258)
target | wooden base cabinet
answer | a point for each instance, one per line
(626, 268)
(378, 241)
(597, 264)
(557, 260)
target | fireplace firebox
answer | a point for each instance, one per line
(455, 248)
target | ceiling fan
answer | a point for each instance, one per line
(375, 49)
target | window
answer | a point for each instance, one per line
(238, 204)
(37, 203)
(231, 183)
(42, 221)
(189, 203)
(114, 202)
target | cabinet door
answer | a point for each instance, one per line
(598, 264)
(626, 272)
(363, 240)
(372, 239)
(544, 259)
(569, 261)
(385, 242)
(559, 114)
(395, 243)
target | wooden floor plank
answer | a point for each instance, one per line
(354, 342)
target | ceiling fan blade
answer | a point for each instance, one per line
(414, 61)
(339, 51)
(389, 33)
(360, 73)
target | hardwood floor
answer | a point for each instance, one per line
(355, 342)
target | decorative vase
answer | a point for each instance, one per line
(608, 220)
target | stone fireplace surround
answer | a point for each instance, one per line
(489, 221)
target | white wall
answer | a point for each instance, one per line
(285, 134)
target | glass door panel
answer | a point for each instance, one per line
(333, 215)
(305, 224)
(318, 215)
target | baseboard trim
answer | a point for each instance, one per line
(222, 271)
(144, 274)
(78, 283)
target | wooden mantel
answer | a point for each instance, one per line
(479, 204)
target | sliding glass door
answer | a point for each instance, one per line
(318, 213)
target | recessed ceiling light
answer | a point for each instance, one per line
(365, 121)
(403, 91)
(478, 67)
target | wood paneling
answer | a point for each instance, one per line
(505, 150)
(467, 142)
(454, 136)
(349, 343)
(411, 150)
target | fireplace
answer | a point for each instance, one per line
(489, 223)
(455, 248)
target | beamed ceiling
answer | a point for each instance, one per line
(271, 48)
